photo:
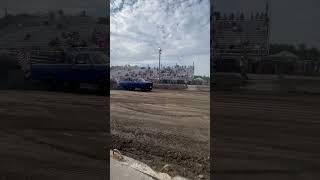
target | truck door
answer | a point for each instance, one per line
(82, 69)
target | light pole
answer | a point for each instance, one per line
(159, 63)
(5, 12)
(244, 59)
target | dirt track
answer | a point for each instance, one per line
(51, 135)
(163, 127)
(47, 135)
(265, 136)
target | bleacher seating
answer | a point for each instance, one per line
(170, 74)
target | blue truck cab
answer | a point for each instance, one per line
(136, 84)
(74, 69)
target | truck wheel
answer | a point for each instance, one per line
(73, 86)
(51, 83)
(103, 89)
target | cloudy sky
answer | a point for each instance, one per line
(180, 27)
(292, 21)
(93, 7)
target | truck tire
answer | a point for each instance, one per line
(103, 85)
(51, 83)
(103, 89)
(73, 86)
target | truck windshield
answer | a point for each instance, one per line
(99, 59)
(141, 80)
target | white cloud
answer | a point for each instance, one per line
(180, 27)
(93, 7)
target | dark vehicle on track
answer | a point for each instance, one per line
(75, 69)
(136, 84)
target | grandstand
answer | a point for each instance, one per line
(236, 35)
(170, 74)
(43, 38)
(232, 30)
(19, 32)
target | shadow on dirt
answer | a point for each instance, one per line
(36, 86)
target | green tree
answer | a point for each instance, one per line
(302, 51)
(61, 13)
(51, 16)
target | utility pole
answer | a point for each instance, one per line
(193, 70)
(5, 12)
(159, 63)
(244, 59)
(267, 20)
(214, 43)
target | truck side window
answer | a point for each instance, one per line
(82, 59)
(69, 59)
(99, 58)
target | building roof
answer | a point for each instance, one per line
(285, 54)
(198, 79)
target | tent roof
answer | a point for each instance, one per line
(285, 54)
